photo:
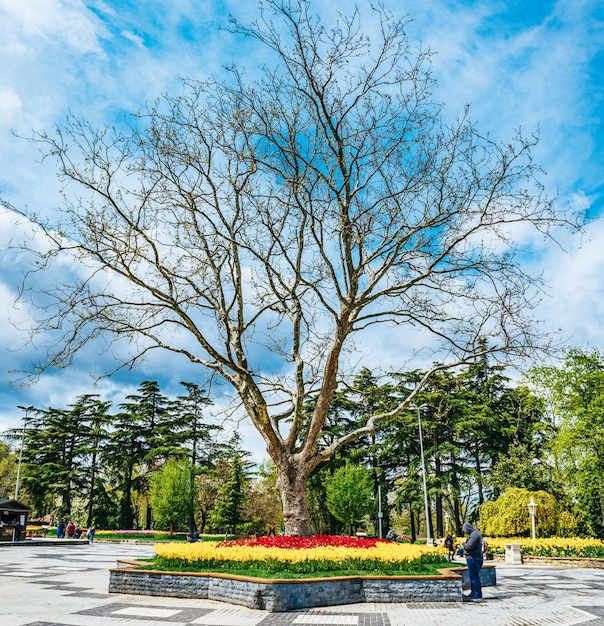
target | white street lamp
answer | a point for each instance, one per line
(27, 409)
(380, 514)
(447, 517)
(532, 507)
(420, 408)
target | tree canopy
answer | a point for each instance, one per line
(172, 493)
(350, 494)
(286, 213)
(484, 436)
(574, 396)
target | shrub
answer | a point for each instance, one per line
(509, 514)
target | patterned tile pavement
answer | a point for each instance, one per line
(58, 585)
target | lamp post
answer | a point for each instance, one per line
(420, 408)
(378, 469)
(27, 409)
(447, 522)
(380, 514)
(532, 507)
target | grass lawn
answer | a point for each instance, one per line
(151, 537)
(428, 569)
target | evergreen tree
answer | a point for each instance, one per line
(52, 471)
(228, 512)
(172, 493)
(193, 435)
(350, 408)
(8, 472)
(125, 452)
(149, 432)
(92, 415)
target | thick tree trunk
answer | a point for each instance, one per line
(291, 483)
(439, 518)
(439, 501)
(149, 517)
(191, 523)
(478, 472)
(412, 524)
(457, 515)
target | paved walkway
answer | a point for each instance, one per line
(59, 585)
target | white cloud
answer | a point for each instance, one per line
(100, 58)
(134, 38)
(529, 71)
(10, 108)
(575, 300)
(42, 24)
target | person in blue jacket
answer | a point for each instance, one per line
(474, 558)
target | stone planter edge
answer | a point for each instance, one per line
(277, 595)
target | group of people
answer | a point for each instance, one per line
(74, 532)
(473, 548)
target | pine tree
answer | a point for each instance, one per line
(228, 514)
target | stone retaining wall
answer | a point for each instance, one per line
(488, 576)
(287, 595)
(447, 589)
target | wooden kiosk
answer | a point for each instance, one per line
(13, 515)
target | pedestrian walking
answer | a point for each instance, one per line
(450, 546)
(474, 558)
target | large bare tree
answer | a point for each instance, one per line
(260, 226)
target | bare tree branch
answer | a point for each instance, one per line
(259, 227)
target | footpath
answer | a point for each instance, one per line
(52, 584)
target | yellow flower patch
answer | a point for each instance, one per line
(383, 552)
(383, 557)
(552, 546)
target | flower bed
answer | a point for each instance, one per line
(149, 535)
(139, 535)
(287, 557)
(288, 573)
(552, 546)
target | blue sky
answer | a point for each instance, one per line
(530, 64)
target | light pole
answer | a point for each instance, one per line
(447, 521)
(27, 409)
(380, 514)
(420, 408)
(532, 507)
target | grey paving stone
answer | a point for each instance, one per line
(151, 612)
(67, 586)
